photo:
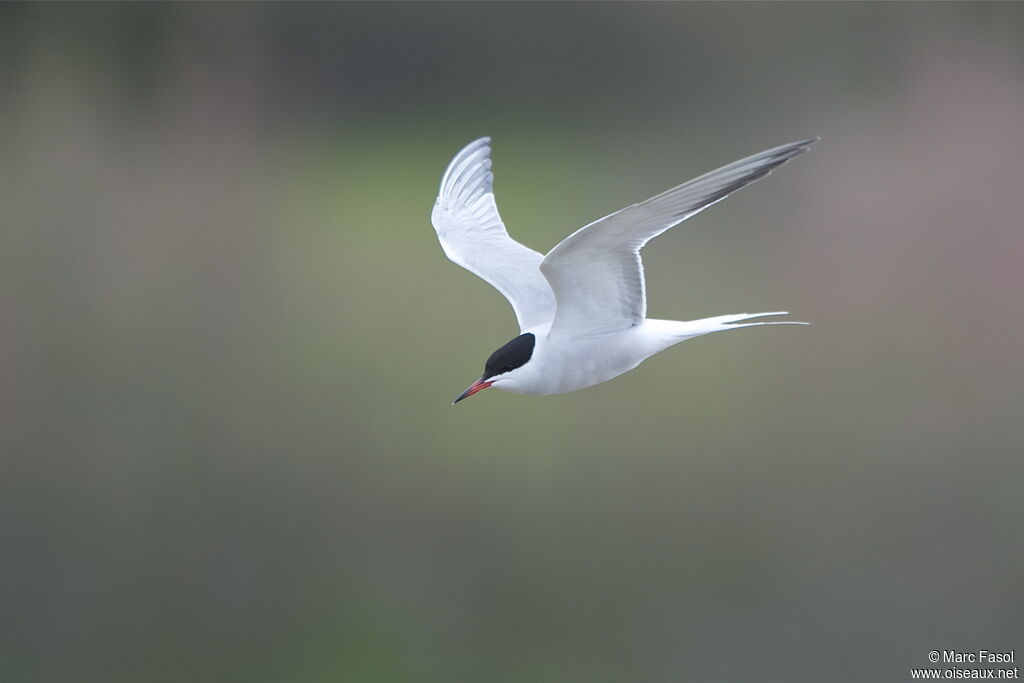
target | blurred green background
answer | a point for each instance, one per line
(230, 340)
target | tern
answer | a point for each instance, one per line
(581, 308)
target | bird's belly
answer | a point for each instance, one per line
(585, 365)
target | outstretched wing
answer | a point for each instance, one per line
(596, 272)
(473, 236)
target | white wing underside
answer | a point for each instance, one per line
(472, 235)
(596, 272)
(592, 282)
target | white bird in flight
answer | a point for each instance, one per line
(581, 308)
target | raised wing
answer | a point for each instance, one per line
(596, 272)
(473, 236)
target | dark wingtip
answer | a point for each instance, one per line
(784, 154)
(794, 148)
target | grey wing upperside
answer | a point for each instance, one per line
(596, 272)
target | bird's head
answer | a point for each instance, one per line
(505, 366)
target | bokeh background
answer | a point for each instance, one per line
(230, 339)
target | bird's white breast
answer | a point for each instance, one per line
(561, 365)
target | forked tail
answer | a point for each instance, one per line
(695, 328)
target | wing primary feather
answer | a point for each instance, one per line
(683, 201)
(461, 161)
(596, 272)
(472, 235)
(469, 182)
